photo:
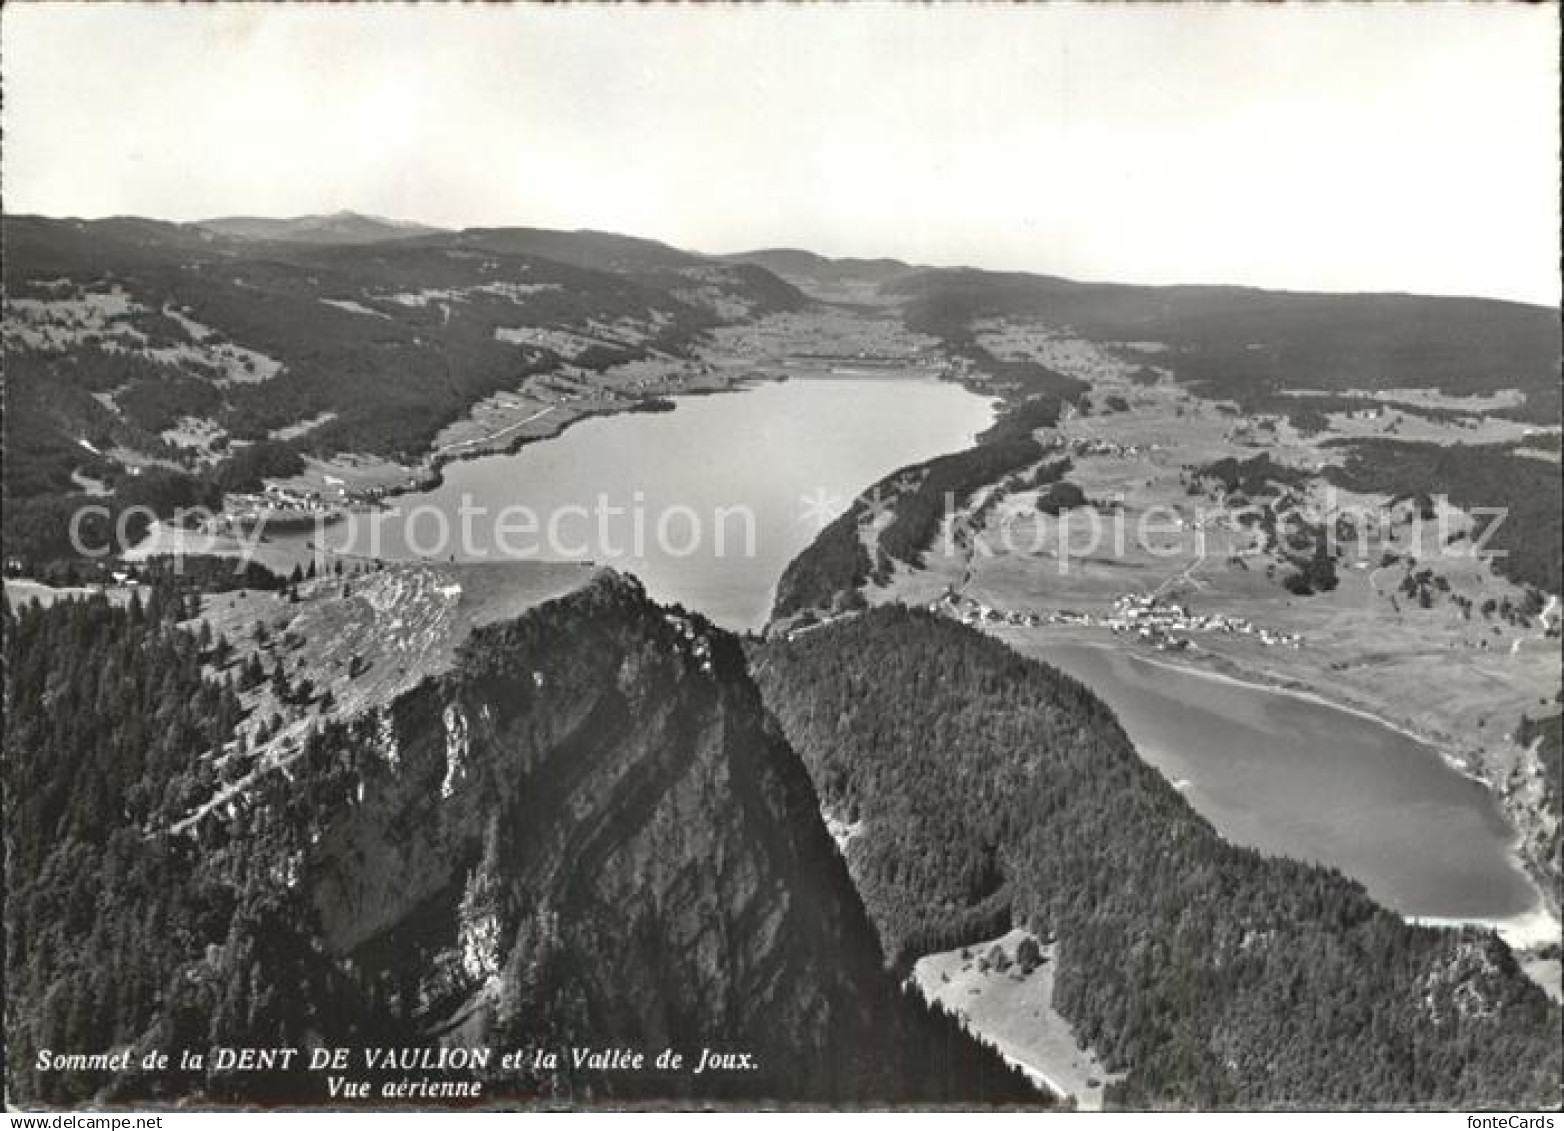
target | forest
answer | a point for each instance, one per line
(116, 937)
(995, 791)
(945, 483)
(1529, 539)
(1258, 475)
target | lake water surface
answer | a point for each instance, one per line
(705, 504)
(1299, 778)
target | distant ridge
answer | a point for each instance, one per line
(807, 264)
(597, 251)
(337, 228)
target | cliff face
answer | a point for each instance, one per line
(590, 832)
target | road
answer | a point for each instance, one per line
(494, 435)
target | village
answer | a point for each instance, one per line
(278, 507)
(1165, 626)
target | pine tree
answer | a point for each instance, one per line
(253, 675)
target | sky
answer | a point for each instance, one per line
(1315, 147)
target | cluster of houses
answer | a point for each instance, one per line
(957, 369)
(1164, 626)
(673, 378)
(242, 511)
(972, 612)
(1159, 623)
(1087, 446)
(288, 498)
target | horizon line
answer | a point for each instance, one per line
(1556, 304)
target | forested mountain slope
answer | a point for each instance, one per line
(992, 790)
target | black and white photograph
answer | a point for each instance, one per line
(826, 557)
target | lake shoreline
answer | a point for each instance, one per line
(1523, 931)
(433, 466)
(1521, 926)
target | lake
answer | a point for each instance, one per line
(1295, 777)
(706, 504)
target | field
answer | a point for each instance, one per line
(1013, 1010)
